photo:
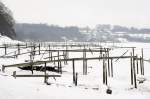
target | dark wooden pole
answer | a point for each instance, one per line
(141, 66)
(58, 62)
(103, 71)
(39, 49)
(5, 46)
(76, 79)
(137, 66)
(111, 67)
(49, 51)
(106, 73)
(134, 73)
(131, 70)
(142, 62)
(84, 62)
(73, 68)
(18, 49)
(45, 78)
(14, 74)
(108, 62)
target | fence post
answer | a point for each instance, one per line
(58, 62)
(39, 49)
(76, 79)
(142, 62)
(3, 68)
(103, 70)
(73, 68)
(14, 74)
(134, 73)
(45, 77)
(137, 66)
(18, 45)
(84, 62)
(111, 67)
(108, 62)
(5, 46)
(49, 52)
(131, 69)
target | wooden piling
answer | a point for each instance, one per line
(39, 49)
(103, 71)
(142, 62)
(5, 47)
(76, 79)
(14, 74)
(106, 74)
(49, 52)
(108, 62)
(45, 78)
(131, 61)
(134, 74)
(137, 66)
(18, 45)
(3, 68)
(141, 68)
(58, 62)
(111, 67)
(84, 62)
(73, 68)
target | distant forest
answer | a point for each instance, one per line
(101, 32)
(43, 32)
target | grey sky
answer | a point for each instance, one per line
(82, 12)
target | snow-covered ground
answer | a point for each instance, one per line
(89, 86)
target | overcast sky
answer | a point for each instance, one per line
(81, 12)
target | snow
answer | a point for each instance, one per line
(7, 40)
(89, 86)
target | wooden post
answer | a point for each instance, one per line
(58, 62)
(142, 62)
(14, 74)
(73, 68)
(32, 68)
(134, 73)
(141, 66)
(108, 62)
(49, 52)
(137, 64)
(76, 79)
(5, 46)
(66, 56)
(111, 67)
(3, 68)
(26, 45)
(84, 62)
(18, 49)
(106, 73)
(131, 70)
(103, 71)
(45, 78)
(100, 52)
(60, 67)
(51, 55)
(54, 61)
(39, 49)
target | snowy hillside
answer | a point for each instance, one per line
(5, 39)
(89, 86)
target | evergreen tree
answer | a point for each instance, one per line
(6, 22)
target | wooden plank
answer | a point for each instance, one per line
(76, 59)
(37, 75)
